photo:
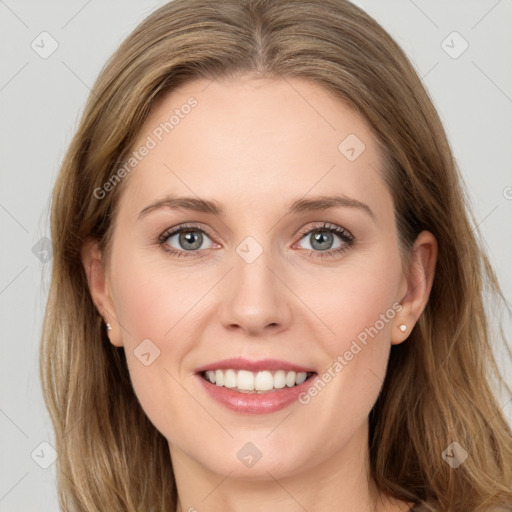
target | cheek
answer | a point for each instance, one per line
(148, 304)
(150, 299)
(161, 305)
(358, 301)
(360, 309)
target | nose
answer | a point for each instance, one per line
(255, 298)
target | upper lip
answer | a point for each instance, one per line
(239, 363)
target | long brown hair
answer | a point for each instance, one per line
(439, 384)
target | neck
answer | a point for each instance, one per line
(340, 483)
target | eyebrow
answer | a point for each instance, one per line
(215, 208)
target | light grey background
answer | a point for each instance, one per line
(41, 100)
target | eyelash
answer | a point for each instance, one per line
(345, 236)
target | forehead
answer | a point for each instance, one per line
(253, 142)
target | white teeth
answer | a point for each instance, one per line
(246, 381)
(230, 379)
(280, 379)
(301, 377)
(263, 381)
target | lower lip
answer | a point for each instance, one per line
(255, 403)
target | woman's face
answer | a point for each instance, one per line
(265, 277)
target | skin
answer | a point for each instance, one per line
(255, 145)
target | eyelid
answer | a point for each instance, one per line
(328, 227)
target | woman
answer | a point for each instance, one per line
(267, 293)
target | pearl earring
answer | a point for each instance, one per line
(402, 327)
(109, 327)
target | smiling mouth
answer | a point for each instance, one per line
(266, 381)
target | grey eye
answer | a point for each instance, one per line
(188, 239)
(322, 240)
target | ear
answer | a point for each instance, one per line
(416, 285)
(99, 288)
